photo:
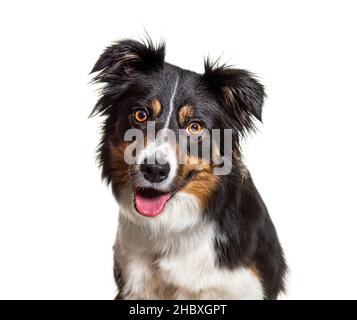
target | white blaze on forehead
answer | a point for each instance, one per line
(171, 104)
(163, 148)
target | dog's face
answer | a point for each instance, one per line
(142, 92)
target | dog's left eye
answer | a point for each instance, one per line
(140, 116)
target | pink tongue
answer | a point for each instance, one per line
(150, 207)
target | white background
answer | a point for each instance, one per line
(58, 220)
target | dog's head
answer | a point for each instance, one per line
(141, 92)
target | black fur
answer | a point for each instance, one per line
(132, 73)
(249, 235)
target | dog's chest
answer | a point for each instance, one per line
(188, 272)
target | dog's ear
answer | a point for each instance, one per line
(118, 64)
(237, 91)
(126, 57)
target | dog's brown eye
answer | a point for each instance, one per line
(140, 116)
(194, 128)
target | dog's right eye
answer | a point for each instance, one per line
(140, 116)
(194, 128)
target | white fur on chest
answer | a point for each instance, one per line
(177, 261)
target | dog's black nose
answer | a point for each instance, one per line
(155, 172)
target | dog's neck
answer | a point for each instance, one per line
(142, 239)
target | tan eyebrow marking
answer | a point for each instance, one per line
(185, 113)
(155, 107)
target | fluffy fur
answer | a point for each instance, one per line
(214, 238)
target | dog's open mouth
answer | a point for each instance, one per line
(150, 202)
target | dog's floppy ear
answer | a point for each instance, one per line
(239, 93)
(118, 63)
(127, 56)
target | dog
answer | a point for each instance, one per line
(184, 231)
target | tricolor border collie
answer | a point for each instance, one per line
(185, 232)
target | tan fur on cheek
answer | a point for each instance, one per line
(118, 166)
(203, 184)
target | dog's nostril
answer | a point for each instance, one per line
(155, 172)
